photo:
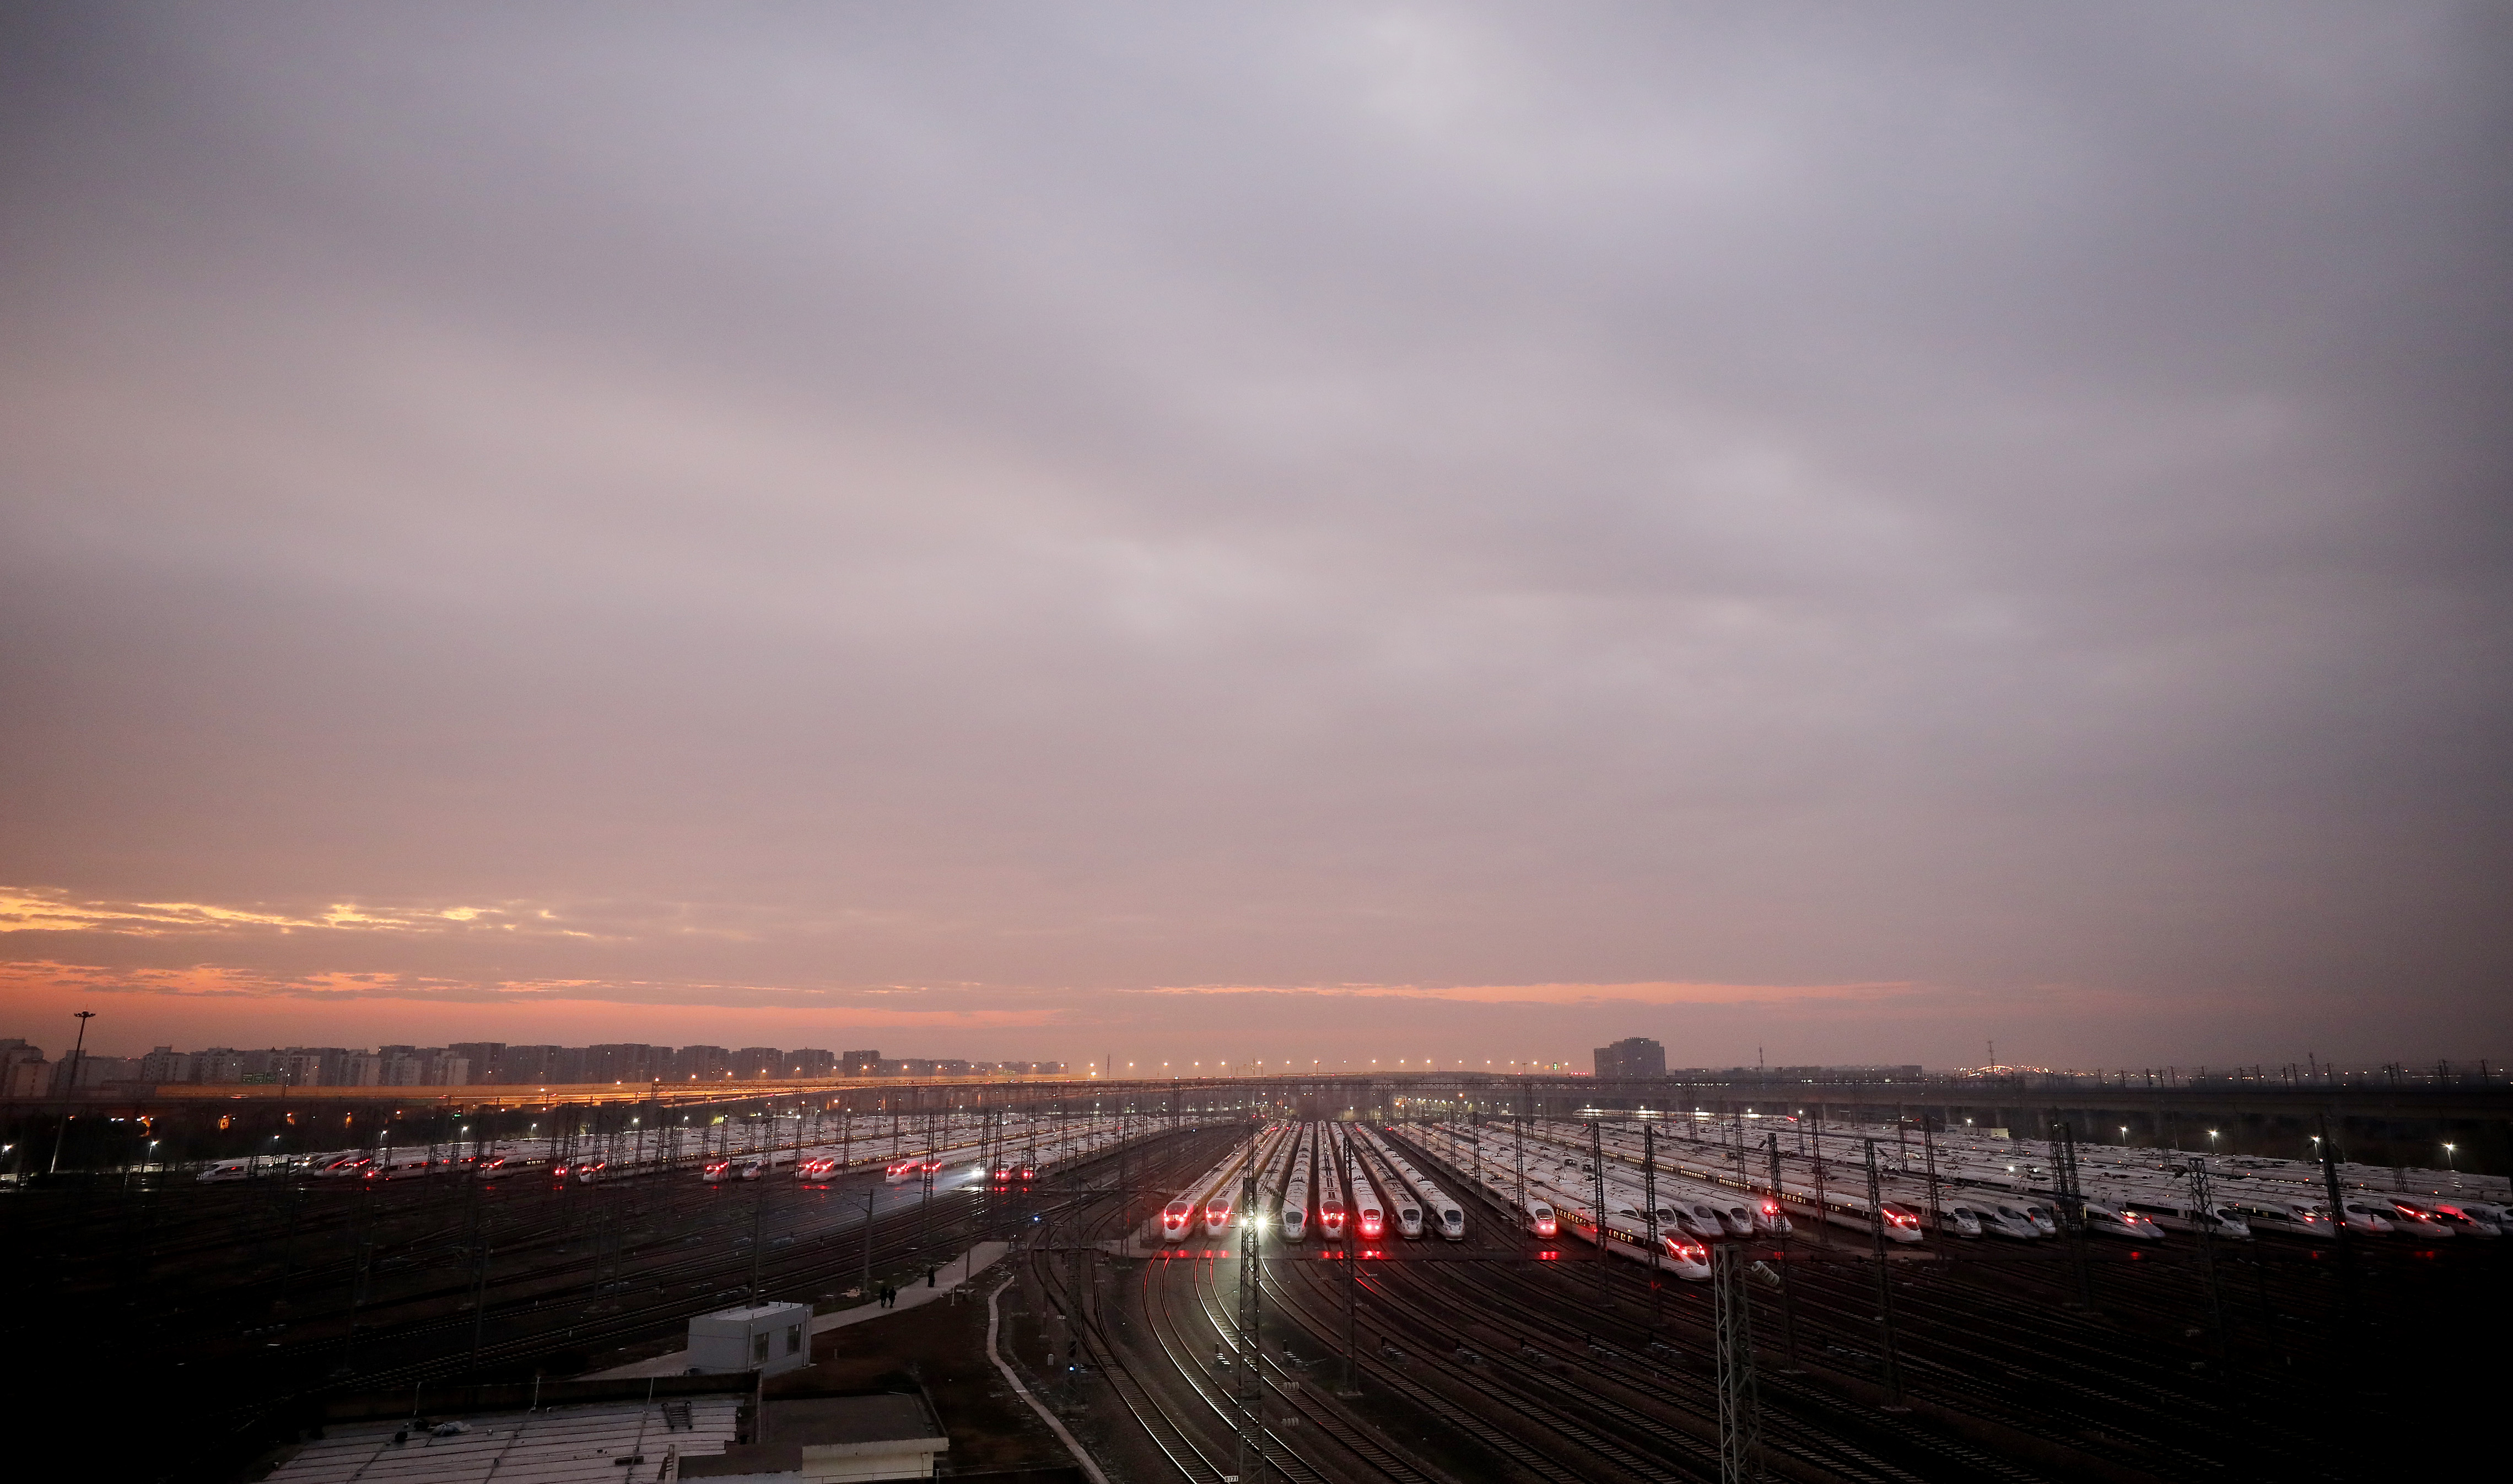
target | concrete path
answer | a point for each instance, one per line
(956, 1272)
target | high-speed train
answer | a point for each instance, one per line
(1331, 1206)
(1732, 1214)
(1195, 1211)
(1224, 1200)
(2105, 1219)
(1970, 1214)
(2471, 1217)
(1272, 1174)
(1440, 1213)
(2172, 1208)
(2418, 1217)
(1295, 1204)
(1536, 1214)
(1404, 1212)
(2368, 1214)
(1368, 1216)
(1685, 1256)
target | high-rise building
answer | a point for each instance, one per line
(167, 1064)
(806, 1062)
(858, 1063)
(624, 1062)
(529, 1065)
(699, 1064)
(219, 1065)
(1632, 1056)
(486, 1058)
(23, 1071)
(311, 1066)
(759, 1061)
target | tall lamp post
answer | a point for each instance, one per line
(70, 1085)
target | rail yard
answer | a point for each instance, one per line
(1455, 1295)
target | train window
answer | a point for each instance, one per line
(759, 1346)
(793, 1339)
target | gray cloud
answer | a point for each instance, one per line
(1118, 497)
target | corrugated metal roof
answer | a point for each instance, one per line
(558, 1445)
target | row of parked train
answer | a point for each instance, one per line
(1964, 1186)
(2243, 1194)
(1336, 1181)
(1652, 1218)
(905, 1151)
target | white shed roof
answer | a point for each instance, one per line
(556, 1445)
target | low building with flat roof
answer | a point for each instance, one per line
(610, 1442)
(833, 1440)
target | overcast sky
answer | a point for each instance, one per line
(1198, 531)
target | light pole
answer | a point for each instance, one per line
(70, 1085)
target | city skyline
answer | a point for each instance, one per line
(1190, 534)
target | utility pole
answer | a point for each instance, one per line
(367, 1194)
(1788, 1304)
(758, 1235)
(2072, 1209)
(869, 1192)
(1518, 1154)
(1929, 1150)
(1740, 1425)
(1251, 1394)
(1648, 1198)
(2203, 1209)
(1351, 1282)
(1822, 1219)
(1884, 1283)
(924, 1209)
(69, 1089)
(479, 1293)
(2338, 1220)
(1597, 1212)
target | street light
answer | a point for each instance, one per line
(2446, 1160)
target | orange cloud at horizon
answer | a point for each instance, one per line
(210, 1004)
(1646, 992)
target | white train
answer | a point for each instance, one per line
(1224, 1201)
(1331, 1211)
(2105, 1218)
(2174, 1209)
(1296, 1201)
(2472, 1218)
(1193, 1209)
(1404, 1212)
(1687, 1257)
(1730, 1211)
(2418, 1218)
(1969, 1212)
(1274, 1173)
(1536, 1214)
(1440, 1213)
(1369, 1215)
